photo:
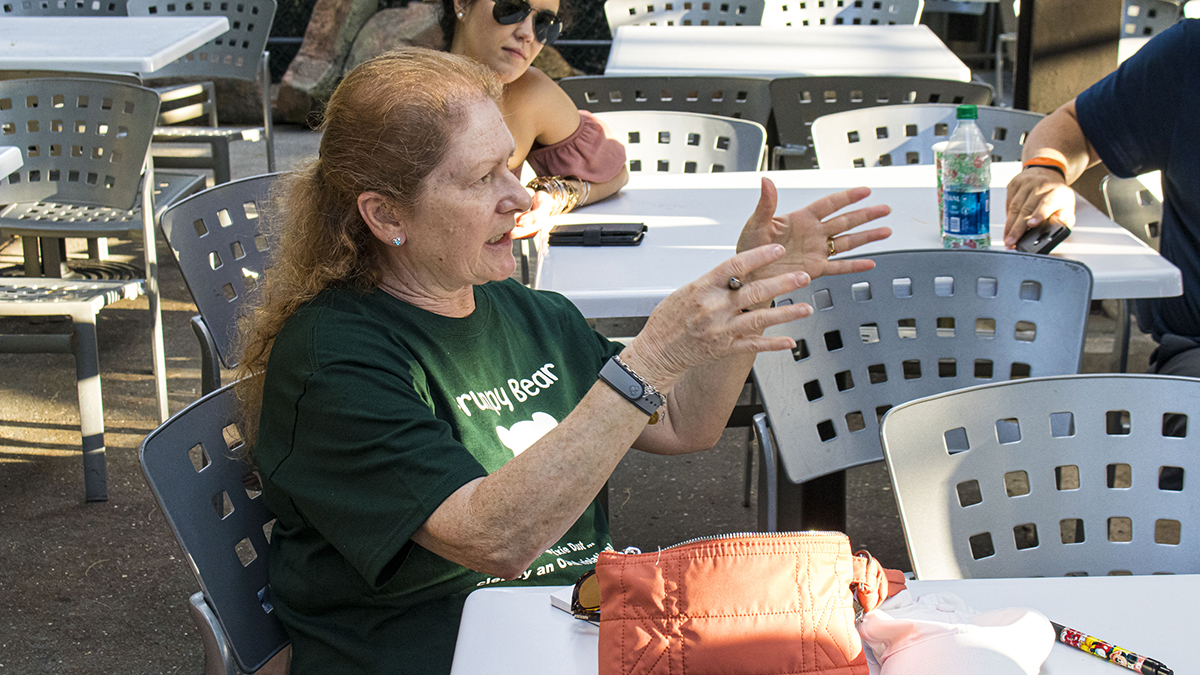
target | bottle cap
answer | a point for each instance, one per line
(967, 112)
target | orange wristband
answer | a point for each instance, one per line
(1046, 163)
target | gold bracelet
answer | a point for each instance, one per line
(564, 194)
(587, 189)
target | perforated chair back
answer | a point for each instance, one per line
(843, 12)
(84, 140)
(905, 134)
(1133, 207)
(191, 463)
(746, 98)
(218, 239)
(1079, 475)
(63, 8)
(798, 101)
(679, 142)
(235, 53)
(682, 13)
(1144, 18)
(920, 323)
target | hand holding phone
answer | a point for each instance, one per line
(1044, 237)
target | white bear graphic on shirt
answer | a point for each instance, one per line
(525, 433)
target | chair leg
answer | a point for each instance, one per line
(222, 172)
(268, 131)
(91, 407)
(30, 250)
(150, 252)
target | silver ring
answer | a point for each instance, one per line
(735, 283)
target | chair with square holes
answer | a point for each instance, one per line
(1132, 206)
(919, 323)
(63, 8)
(1051, 476)
(236, 54)
(222, 253)
(680, 142)
(86, 159)
(682, 13)
(745, 98)
(843, 13)
(1146, 18)
(798, 101)
(212, 501)
(905, 134)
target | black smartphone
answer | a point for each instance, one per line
(597, 234)
(1044, 237)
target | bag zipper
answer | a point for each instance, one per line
(633, 550)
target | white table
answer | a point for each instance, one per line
(761, 51)
(516, 631)
(103, 44)
(10, 159)
(693, 221)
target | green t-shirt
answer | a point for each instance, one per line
(375, 411)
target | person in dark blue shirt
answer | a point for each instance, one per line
(1139, 118)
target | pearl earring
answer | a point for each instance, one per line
(460, 15)
(397, 241)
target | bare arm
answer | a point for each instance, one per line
(501, 523)
(1038, 192)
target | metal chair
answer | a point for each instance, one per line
(86, 157)
(680, 142)
(682, 13)
(238, 54)
(1135, 208)
(798, 101)
(905, 134)
(746, 98)
(920, 323)
(212, 499)
(1144, 18)
(842, 12)
(63, 8)
(222, 253)
(1079, 475)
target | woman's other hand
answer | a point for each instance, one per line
(707, 320)
(1034, 195)
(806, 233)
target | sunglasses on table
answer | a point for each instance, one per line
(585, 598)
(546, 24)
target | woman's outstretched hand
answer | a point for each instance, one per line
(806, 233)
(707, 320)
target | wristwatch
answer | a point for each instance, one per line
(630, 385)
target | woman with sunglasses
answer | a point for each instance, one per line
(576, 160)
(426, 425)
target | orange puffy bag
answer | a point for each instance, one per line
(746, 604)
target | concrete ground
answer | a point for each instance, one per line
(102, 587)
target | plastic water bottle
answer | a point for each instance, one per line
(966, 182)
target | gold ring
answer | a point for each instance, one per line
(832, 246)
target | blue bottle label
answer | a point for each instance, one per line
(966, 214)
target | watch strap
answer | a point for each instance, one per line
(628, 384)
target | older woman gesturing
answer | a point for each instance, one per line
(428, 426)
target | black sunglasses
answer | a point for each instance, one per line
(585, 599)
(546, 24)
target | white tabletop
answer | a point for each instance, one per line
(10, 159)
(515, 630)
(109, 43)
(693, 221)
(761, 51)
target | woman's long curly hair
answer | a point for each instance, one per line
(386, 127)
